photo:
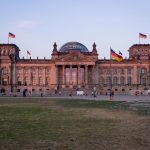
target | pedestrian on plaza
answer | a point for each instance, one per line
(24, 92)
(112, 94)
(59, 92)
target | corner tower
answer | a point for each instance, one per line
(139, 52)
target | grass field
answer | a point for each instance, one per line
(52, 124)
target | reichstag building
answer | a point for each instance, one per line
(73, 67)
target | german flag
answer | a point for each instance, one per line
(11, 35)
(115, 56)
(144, 36)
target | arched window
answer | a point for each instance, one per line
(6, 52)
(2, 52)
(121, 71)
(26, 70)
(67, 73)
(143, 70)
(40, 70)
(129, 80)
(129, 71)
(47, 70)
(115, 80)
(47, 81)
(102, 81)
(26, 81)
(34, 80)
(40, 81)
(4, 70)
(10, 51)
(143, 81)
(19, 81)
(19, 70)
(2, 90)
(122, 80)
(5, 80)
(115, 71)
(33, 70)
(108, 80)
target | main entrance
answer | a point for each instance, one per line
(74, 75)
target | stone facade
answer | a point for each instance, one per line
(73, 67)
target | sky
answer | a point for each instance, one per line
(37, 24)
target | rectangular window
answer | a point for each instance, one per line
(114, 71)
(4, 82)
(19, 82)
(143, 70)
(143, 81)
(108, 81)
(129, 71)
(18, 90)
(108, 71)
(122, 81)
(101, 71)
(129, 82)
(122, 71)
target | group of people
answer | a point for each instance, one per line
(111, 94)
(94, 94)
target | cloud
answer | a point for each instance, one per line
(27, 24)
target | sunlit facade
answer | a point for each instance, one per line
(73, 67)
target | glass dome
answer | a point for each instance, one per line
(73, 46)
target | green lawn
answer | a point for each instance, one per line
(46, 124)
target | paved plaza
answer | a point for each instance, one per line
(126, 98)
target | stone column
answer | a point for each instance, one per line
(86, 74)
(126, 76)
(22, 75)
(44, 79)
(9, 73)
(118, 76)
(71, 75)
(14, 84)
(30, 77)
(93, 75)
(135, 76)
(96, 75)
(37, 76)
(14, 74)
(44, 76)
(56, 77)
(147, 75)
(63, 75)
(78, 75)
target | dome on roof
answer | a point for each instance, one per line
(73, 46)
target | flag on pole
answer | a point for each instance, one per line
(11, 35)
(28, 53)
(120, 53)
(144, 36)
(115, 56)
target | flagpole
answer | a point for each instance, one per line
(110, 96)
(139, 40)
(8, 39)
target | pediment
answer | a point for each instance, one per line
(76, 57)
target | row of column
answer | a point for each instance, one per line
(36, 75)
(79, 73)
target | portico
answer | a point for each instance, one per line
(74, 75)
